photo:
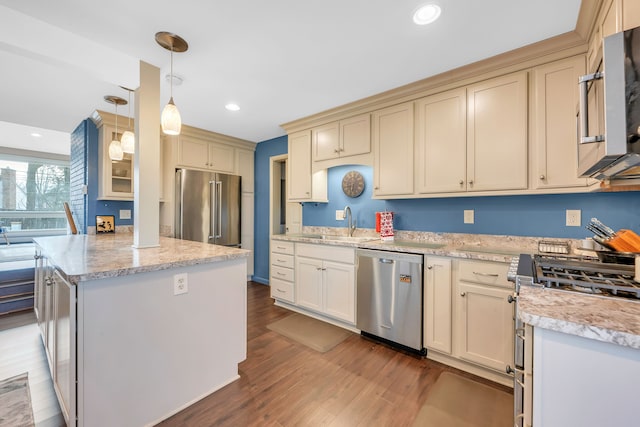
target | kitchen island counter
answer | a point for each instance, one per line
(612, 320)
(87, 257)
(168, 324)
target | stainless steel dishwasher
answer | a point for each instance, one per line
(389, 297)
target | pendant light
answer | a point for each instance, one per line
(128, 140)
(170, 119)
(115, 148)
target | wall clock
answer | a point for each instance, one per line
(353, 184)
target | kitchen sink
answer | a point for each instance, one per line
(355, 239)
(19, 252)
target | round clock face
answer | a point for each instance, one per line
(353, 183)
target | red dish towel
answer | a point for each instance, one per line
(386, 225)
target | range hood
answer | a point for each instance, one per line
(609, 116)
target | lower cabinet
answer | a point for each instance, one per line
(55, 302)
(282, 272)
(468, 320)
(325, 280)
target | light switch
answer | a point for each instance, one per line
(339, 215)
(125, 213)
(468, 216)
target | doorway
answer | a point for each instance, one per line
(284, 217)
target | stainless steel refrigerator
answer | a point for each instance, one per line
(208, 207)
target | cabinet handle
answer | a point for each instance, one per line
(336, 150)
(280, 274)
(48, 281)
(280, 247)
(471, 182)
(462, 182)
(376, 188)
(486, 274)
(511, 299)
(280, 290)
(463, 294)
(306, 192)
(280, 260)
(429, 267)
(542, 177)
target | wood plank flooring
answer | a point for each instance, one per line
(21, 350)
(283, 383)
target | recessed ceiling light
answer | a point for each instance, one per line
(232, 107)
(427, 14)
(36, 135)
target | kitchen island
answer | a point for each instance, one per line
(136, 335)
(585, 357)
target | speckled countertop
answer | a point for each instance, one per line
(87, 257)
(613, 320)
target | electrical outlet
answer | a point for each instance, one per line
(180, 284)
(339, 215)
(125, 213)
(468, 216)
(573, 218)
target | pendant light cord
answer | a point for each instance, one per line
(171, 85)
(129, 114)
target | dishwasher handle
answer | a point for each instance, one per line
(386, 261)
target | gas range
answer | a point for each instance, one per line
(575, 274)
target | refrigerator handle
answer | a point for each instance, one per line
(180, 197)
(218, 232)
(212, 214)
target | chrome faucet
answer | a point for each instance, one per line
(3, 230)
(351, 223)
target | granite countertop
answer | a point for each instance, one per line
(87, 257)
(612, 320)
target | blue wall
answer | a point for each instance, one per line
(536, 215)
(264, 151)
(94, 206)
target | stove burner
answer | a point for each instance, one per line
(586, 274)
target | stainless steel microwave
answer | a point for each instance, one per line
(609, 111)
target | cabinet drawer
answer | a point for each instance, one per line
(282, 273)
(484, 272)
(282, 260)
(282, 290)
(282, 247)
(327, 252)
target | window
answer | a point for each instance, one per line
(32, 193)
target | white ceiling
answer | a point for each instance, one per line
(280, 60)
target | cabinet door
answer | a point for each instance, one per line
(393, 150)
(497, 134)
(115, 176)
(554, 134)
(326, 141)
(355, 135)
(630, 14)
(65, 346)
(485, 325)
(299, 166)
(441, 142)
(221, 158)
(339, 291)
(437, 304)
(193, 153)
(308, 284)
(244, 168)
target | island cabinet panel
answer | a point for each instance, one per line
(393, 150)
(144, 353)
(441, 142)
(65, 346)
(497, 134)
(437, 304)
(553, 131)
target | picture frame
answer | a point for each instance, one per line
(105, 224)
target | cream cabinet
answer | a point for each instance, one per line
(282, 275)
(393, 150)
(325, 280)
(437, 304)
(302, 184)
(484, 327)
(244, 166)
(497, 134)
(630, 14)
(115, 177)
(441, 142)
(554, 136)
(202, 154)
(344, 138)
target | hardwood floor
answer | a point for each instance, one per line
(283, 383)
(21, 350)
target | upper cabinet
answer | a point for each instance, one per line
(497, 134)
(555, 95)
(115, 177)
(202, 154)
(343, 138)
(302, 184)
(393, 150)
(441, 142)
